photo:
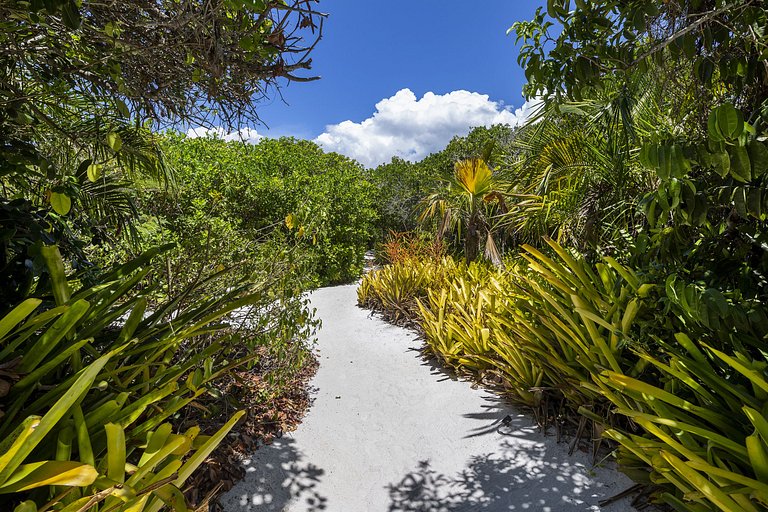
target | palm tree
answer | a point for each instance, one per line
(574, 170)
(467, 205)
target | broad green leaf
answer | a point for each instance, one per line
(759, 421)
(678, 163)
(55, 264)
(40, 474)
(114, 141)
(71, 14)
(27, 506)
(665, 163)
(94, 172)
(122, 108)
(115, 452)
(722, 163)
(17, 315)
(758, 456)
(156, 441)
(649, 156)
(730, 121)
(713, 129)
(61, 203)
(740, 166)
(758, 157)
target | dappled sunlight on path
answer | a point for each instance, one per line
(389, 432)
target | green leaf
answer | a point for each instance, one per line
(758, 456)
(59, 359)
(649, 156)
(114, 141)
(41, 474)
(52, 418)
(663, 170)
(722, 163)
(712, 491)
(71, 15)
(172, 497)
(27, 506)
(55, 265)
(61, 203)
(122, 107)
(156, 441)
(204, 451)
(755, 202)
(94, 172)
(712, 128)
(759, 421)
(51, 337)
(12, 444)
(17, 315)
(115, 452)
(730, 121)
(679, 164)
(756, 377)
(84, 446)
(740, 166)
(758, 156)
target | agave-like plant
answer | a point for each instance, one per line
(91, 384)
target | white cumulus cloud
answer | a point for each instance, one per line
(243, 134)
(412, 128)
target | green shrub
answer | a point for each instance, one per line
(232, 197)
(689, 417)
(95, 382)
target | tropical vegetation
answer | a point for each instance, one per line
(124, 309)
(603, 265)
(630, 292)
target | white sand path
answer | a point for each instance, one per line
(388, 432)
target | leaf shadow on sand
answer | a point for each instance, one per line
(277, 475)
(528, 472)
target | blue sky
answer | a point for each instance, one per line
(372, 51)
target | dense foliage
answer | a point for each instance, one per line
(401, 185)
(234, 201)
(111, 354)
(647, 163)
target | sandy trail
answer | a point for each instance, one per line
(390, 433)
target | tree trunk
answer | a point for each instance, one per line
(472, 240)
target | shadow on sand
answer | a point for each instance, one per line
(276, 476)
(528, 472)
